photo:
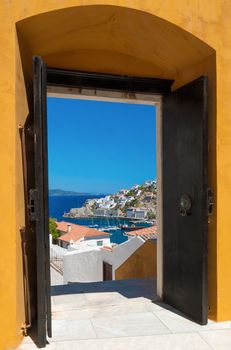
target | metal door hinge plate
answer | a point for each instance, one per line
(210, 201)
(33, 204)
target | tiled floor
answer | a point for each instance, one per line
(122, 315)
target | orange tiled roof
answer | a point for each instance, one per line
(77, 231)
(148, 232)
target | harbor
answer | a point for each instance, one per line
(116, 226)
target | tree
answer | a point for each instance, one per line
(131, 193)
(151, 215)
(53, 229)
(94, 206)
(134, 203)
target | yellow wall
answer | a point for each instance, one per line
(148, 42)
(141, 264)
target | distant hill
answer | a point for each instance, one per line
(58, 192)
(143, 197)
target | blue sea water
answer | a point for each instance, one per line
(60, 204)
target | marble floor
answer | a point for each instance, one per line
(123, 315)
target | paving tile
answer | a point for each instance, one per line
(107, 298)
(32, 346)
(92, 317)
(145, 323)
(154, 307)
(218, 339)
(163, 342)
(68, 302)
(219, 325)
(101, 311)
(178, 323)
(72, 330)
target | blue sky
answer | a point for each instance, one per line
(96, 146)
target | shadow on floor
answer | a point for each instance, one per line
(132, 288)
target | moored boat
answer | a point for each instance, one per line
(130, 228)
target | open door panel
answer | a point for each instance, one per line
(185, 222)
(39, 203)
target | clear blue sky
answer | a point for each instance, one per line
(96, 146)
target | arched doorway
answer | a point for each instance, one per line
(114, 40)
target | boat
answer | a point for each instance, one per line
(137, 221)
(109, 228)
(130, 228)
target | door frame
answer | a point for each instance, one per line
(113, 88)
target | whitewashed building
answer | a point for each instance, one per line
(136, 213)
(78, 235)
(87, 265)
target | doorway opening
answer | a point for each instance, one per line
(127, 215)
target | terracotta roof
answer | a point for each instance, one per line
(107, 248)
(77, 231)
(145, 233)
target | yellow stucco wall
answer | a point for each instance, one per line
(115, 40)
(141, 264)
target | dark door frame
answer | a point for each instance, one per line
(86, 80)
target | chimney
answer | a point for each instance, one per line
(68, 227)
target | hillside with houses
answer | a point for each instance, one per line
(138, 202)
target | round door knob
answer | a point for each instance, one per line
(185, 205)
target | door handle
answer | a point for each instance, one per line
(185, 205)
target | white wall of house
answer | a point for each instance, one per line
(87, 266)
(136, 213)
(82, 266)
(95, 242)
(91, 242)
(121, 252)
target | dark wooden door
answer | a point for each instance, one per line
(107, 271)
(39, 198)
(185, 145)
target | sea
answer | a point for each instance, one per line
(58, 205)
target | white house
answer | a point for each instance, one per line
(86, 266)
(136, 213)
(72, 234)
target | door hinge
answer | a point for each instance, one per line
(24, 329)
(210, 201)
(33, 204)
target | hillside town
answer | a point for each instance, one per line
(89, 254)
(138, 203)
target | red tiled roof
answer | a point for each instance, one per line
(77, 231)
(148, 232)
(107, 248)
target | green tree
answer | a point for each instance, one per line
(151, 215)
(134, 203)
(94, 206)
(53, 229)
(131, 193)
